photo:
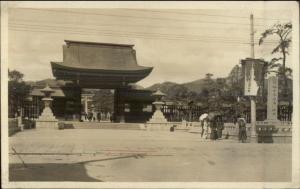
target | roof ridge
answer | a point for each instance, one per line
(98, 43)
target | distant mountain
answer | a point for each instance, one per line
(164, 87)
(50, 82)
(195, 86)
(31, 83)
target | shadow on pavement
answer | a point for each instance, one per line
(114, 158)
(49, 172)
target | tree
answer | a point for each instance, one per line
(282, 31)
(208, 87)
(235, 82)
(177, 93)
(208, 76)
(15, 75)
(18, 90)
(209, 92)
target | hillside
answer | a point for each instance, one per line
(165, 86)
(50, 82)
(193, 86)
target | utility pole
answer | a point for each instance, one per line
(252, 36)
(252, 98)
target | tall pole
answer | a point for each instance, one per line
(252, 35)
(252, 98)
(85, 104)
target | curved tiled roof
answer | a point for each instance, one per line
(99, 65)
(99, 56)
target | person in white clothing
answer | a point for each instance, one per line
(204, 125)
(205, 128)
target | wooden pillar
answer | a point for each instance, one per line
(78, 103)
(119, 107)
(38, 107)
(115, 105)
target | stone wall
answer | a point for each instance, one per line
(274, 133)
(266, 133)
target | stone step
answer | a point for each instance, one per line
(102, 125)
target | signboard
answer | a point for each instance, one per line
(253, 72)
(251, 86)
(272, 104)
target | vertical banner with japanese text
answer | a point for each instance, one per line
(253, 72)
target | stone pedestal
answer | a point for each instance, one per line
(158, 116)
(158, 126)
(47, 119)
(46, 124)
(158, 120)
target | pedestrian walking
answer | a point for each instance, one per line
(108, 117)
(213, 129)
(83, 116)
(94, 115)
(242, 130)
(90, 116)
(98, 116)
(203, 123)
(202, 127)
(220, 127)
(205, 128)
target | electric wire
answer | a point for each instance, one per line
(190, 36)
(143, 18)
(202, 14)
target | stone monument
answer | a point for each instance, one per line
(158, 120)
(47, 119)
(272, 100)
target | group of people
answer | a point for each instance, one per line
(96, 116)
(212, 127)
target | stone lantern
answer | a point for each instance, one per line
(158, 120)
(47, 119)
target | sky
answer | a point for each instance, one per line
(182, 44)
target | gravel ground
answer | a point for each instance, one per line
(146, 156)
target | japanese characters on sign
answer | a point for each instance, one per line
(251, 86)
(272, 98)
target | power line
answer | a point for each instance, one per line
(129, 32)
(139, 17)
(202, 14)
(128, 35)
(128, 25)
(124, 35)
(144, 33)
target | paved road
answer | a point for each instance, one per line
(124, 155)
